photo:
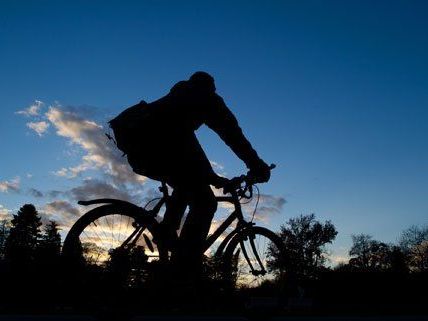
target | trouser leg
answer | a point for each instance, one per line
(202, 206)
(175, 208)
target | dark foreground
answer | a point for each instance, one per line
(334, 296)
(215, 318)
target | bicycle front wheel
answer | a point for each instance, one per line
(248, 256)
(110, 230)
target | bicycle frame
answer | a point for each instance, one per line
(150, 215)
(235, 215)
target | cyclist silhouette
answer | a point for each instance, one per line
(167, 150)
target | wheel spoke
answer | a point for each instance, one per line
(253, 256)
(108, 232)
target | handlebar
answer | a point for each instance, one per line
(242, 185)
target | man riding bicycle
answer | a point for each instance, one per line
(167, 150)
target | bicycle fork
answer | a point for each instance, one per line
(254, 271)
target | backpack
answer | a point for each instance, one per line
(128, 126)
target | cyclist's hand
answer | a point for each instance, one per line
(260, 172)
(219, 182)
(232, 185)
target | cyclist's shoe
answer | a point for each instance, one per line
(165, 236)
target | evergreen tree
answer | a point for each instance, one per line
(50, 242)
(22, 241)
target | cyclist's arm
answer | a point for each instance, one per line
(221, 120)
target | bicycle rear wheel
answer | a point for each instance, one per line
(248, 255)
(107, 230)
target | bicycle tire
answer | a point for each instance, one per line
(85, 228)
(235, 260)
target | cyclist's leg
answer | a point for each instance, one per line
(174, 212)
(191, 174)
(202, 206)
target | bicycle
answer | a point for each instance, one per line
(119, 224)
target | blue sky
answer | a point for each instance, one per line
(333, 92)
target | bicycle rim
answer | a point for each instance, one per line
(102, 232)
(248, 256)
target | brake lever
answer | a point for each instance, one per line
(247, 191)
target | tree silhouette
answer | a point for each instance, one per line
(398, 260)
(216, 271)
(23, 279)
(305, 254)
(127, 267)
(50, 242)
(414, 244)
(371, 255)
(92, 252)
(49, 249)
(139, 265)
(47, 264)
(24, 235)
(4, 233)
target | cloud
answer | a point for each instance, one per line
(32, 110)
(270, 204)
(39, 127)
(10, 186)
(35, 193)
(54, 193)
(337, 259)
(218, 168)
(62, 212)
(94, 188)
(4, 213)
(99, 153)
(63, 209)
(63, 172)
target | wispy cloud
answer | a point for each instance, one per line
(336, 259)
(39, 127)
(35, 193)
(4, 213)
(54, 193)
(63, 172)
(94, 188)
(219, 168)
(10, 186)
(115, 177)
(99, 153)
(62, 212)
(270, 204)
(32, 110)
